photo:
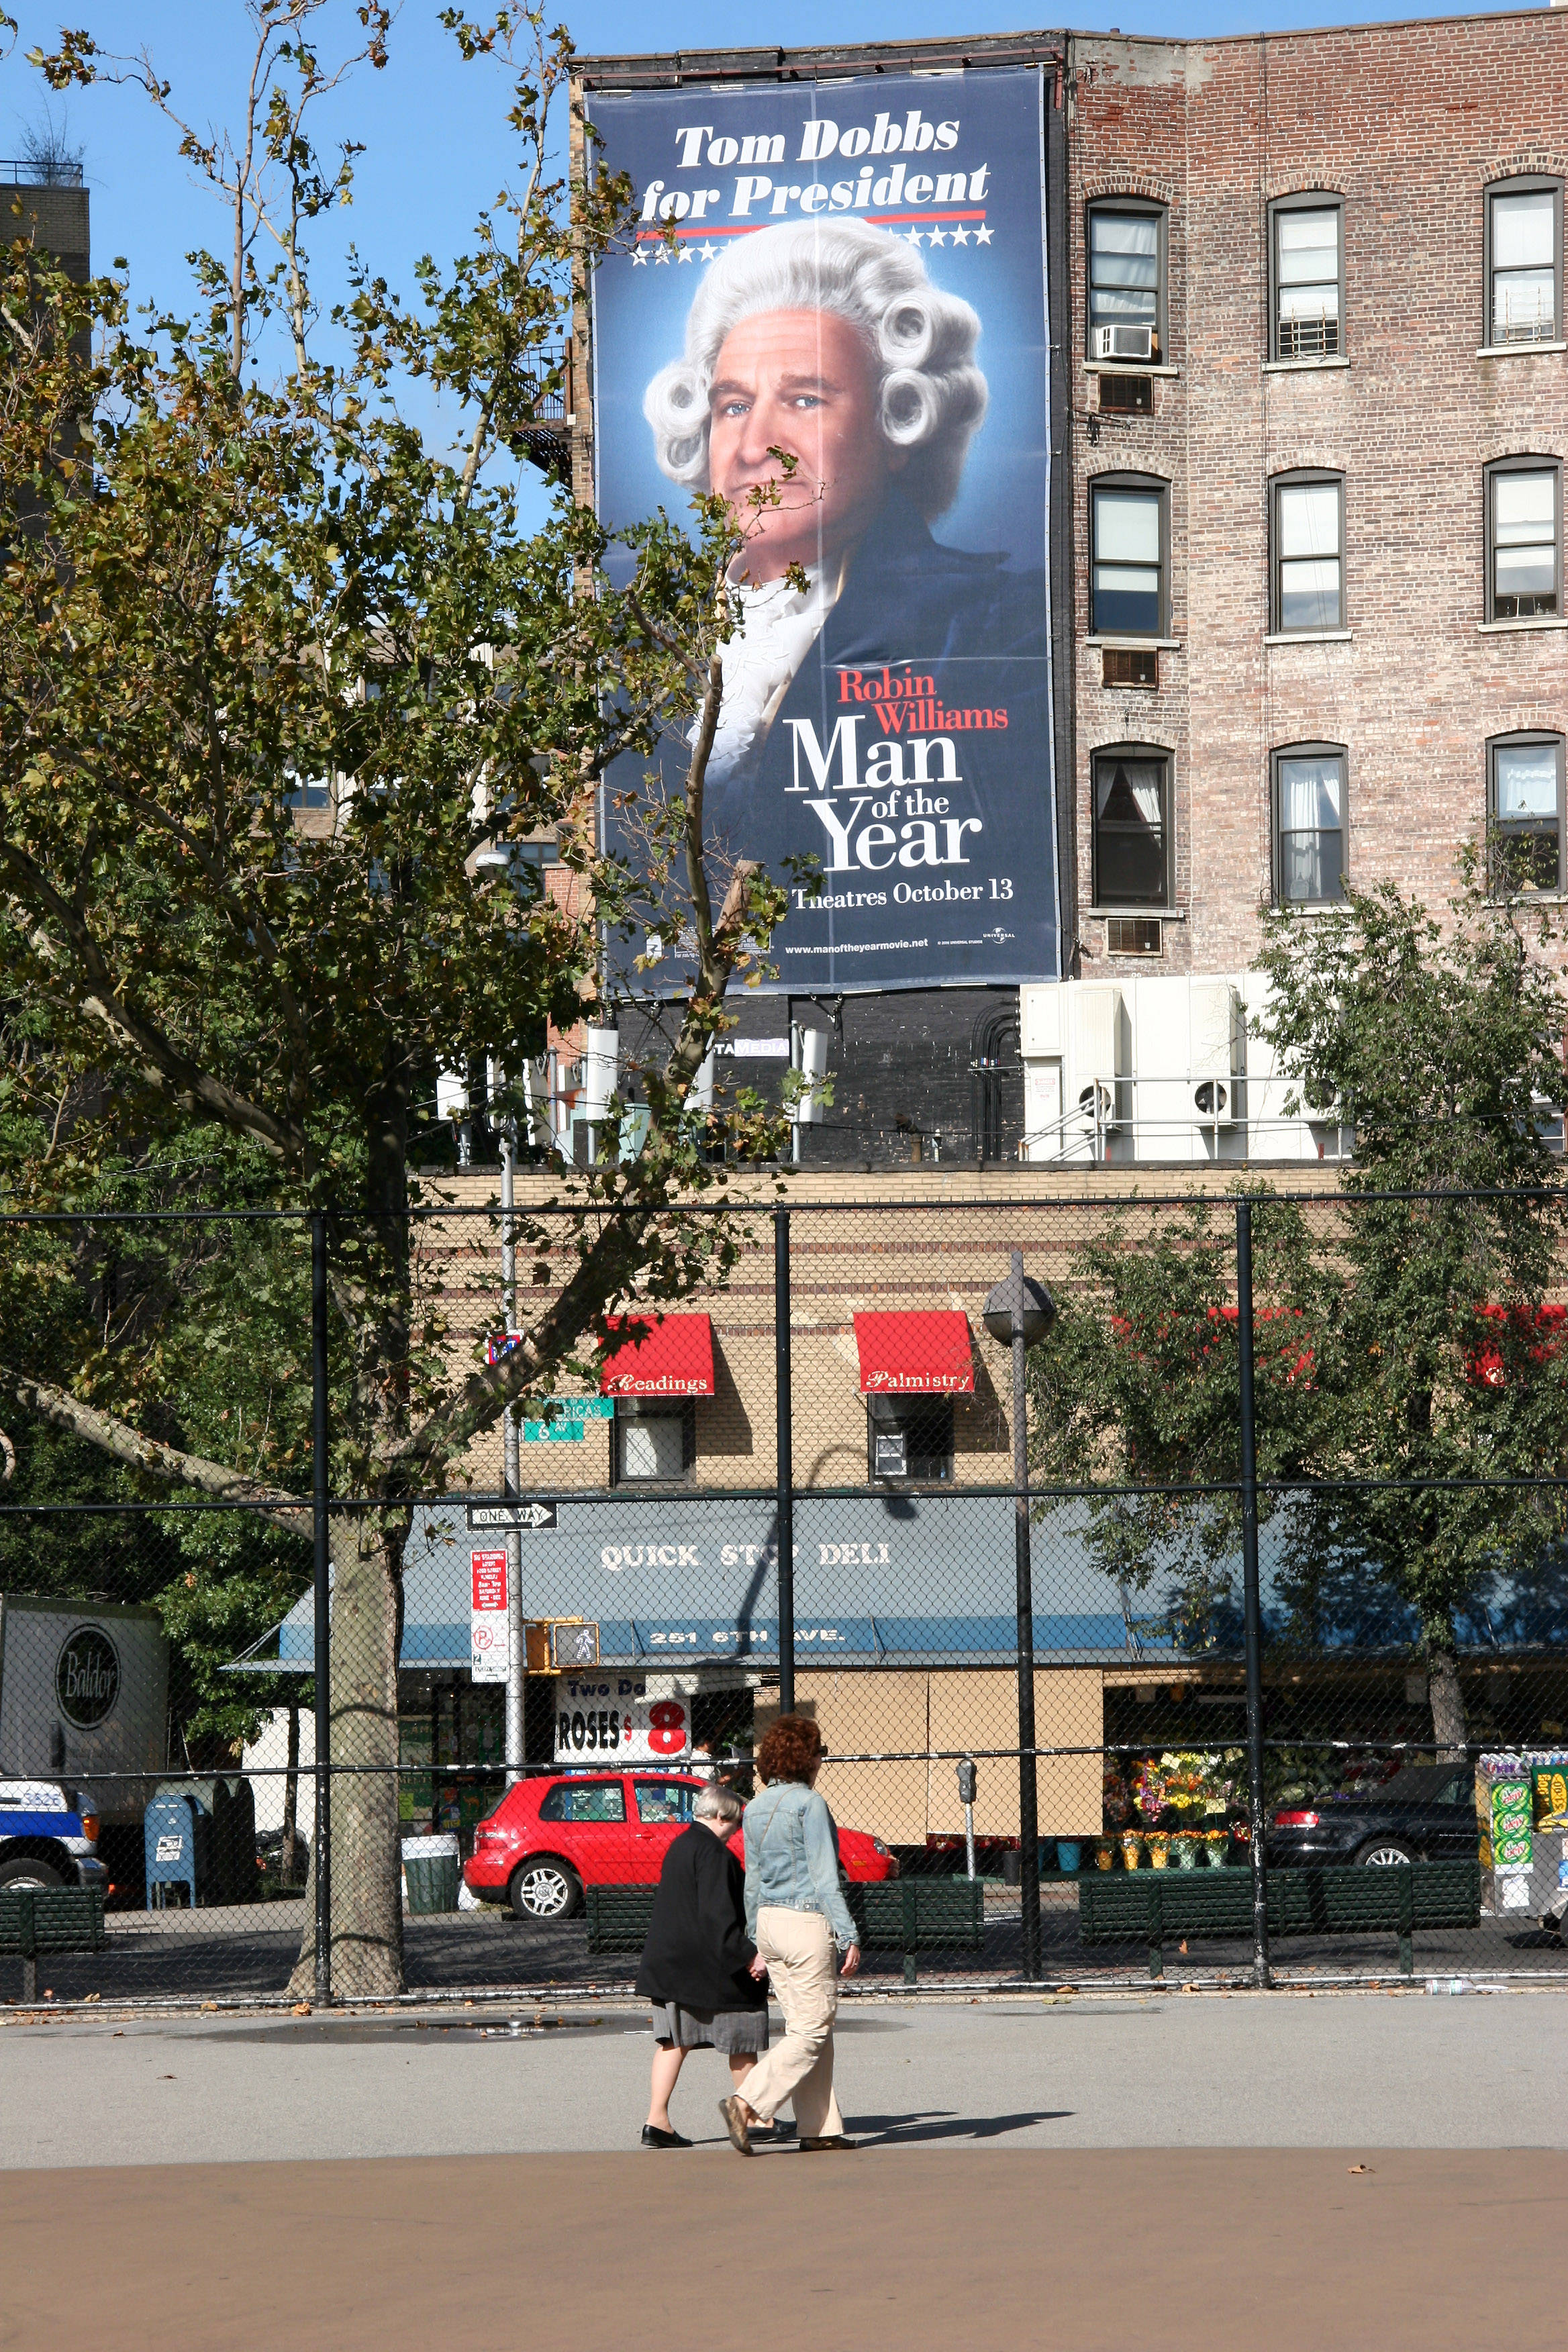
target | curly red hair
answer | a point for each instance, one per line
(791, 1749)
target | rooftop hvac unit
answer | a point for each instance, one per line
(1218, 1051)
(1100, 1052)
(1040, 1006)
(1123, 342)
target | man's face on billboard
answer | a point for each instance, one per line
(803, 382)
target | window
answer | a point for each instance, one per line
(664, 1801)
(908, 1437)
(585, 1800)
(1309, 554)
(1525, 793)
(654, 1438)
(1127, 561)
(1524, 513)
(1126, 281)
(1310, 825)
(1307, 262)
(1131, 827)
(1524, 246)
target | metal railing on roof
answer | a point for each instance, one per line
(47, 172)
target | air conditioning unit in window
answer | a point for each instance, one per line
(1123, 342)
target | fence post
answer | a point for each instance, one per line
(785, 1462)
(1029, 1803)
(1252, 1604)
(323, 1829)
(516, 1659)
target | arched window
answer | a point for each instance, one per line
(1306, 277)
(1310, 824)
(1130, 787)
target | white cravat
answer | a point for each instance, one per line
(778, 627)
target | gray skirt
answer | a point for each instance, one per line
(729, 2030)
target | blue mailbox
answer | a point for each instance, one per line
(173, 1830)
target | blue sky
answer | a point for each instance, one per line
(436, 144)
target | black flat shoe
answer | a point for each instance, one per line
(653, 2137)
(834, 2141)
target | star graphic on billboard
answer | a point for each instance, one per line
(982, 236)
(639, 258)
(937, 236)
(707, 251)
(912, 237)
(686, 254)
(960, 237)
(662, 255)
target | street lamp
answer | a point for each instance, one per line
(1021, 1311)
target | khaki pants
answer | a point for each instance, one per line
(798, 1948)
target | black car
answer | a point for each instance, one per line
(1427, 1813)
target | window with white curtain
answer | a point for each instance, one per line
(1126, 254)
(1523, 539)
(1526, 808)
(1131, 827)
(1310, 825)
(1309, 554)
(1308, 269)
(1127, 578)
(1524, 252)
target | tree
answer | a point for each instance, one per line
(231, 596)
(1441, 1042)
(1402, 1332)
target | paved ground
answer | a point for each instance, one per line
(1181, 2173)
(1477, 2070)
(993, 2252)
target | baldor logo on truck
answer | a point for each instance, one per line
(87, 1677)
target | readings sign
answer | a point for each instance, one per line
(489, 1646)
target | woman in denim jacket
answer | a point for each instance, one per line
(795, 1915)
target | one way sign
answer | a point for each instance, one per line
(535, 1516)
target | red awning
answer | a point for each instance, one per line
(915, 1355)
(672, 1359)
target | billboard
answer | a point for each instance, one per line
(853, 272)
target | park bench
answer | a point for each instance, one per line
(1148, 1907)
(37, 1922)
(908, 1916)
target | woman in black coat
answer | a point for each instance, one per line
(698, 1962)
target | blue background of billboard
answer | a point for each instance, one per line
(641, 311)
(1007, 932)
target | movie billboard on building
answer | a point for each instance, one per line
(857, 276)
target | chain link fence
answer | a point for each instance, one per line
(1178, 1586)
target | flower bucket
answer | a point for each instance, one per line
(1104, 1853)
(1067, 1854)
(1216, 1845)
(1185, 1850)
(1159, 1850)
(1131, 1850)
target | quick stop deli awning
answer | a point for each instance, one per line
(919, 1353)
(653, 1358)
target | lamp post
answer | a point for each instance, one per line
(1022, 1311)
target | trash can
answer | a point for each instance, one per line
(430, 1873)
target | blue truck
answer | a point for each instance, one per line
(49, 1836)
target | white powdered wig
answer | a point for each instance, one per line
(921, 340)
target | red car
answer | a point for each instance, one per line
(548, 1839)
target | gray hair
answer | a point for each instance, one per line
(715, 1803)
(920, 340)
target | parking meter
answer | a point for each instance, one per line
(968, 1784)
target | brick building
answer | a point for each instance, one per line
(1304, 531)
(1324, 529)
